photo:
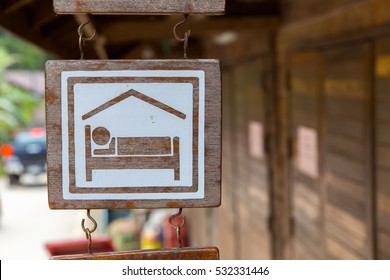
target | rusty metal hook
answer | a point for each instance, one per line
(179, 226)
(92, 220)
(186, 34)
(82, 39)
(89, 231)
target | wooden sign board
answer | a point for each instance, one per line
(144, 7)
(133, 133)
(211, 253)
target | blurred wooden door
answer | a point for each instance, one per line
(332, 183)
(251, 192)
(305, 135)
(348, 159)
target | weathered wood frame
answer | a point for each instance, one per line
(207, 253)
(212, 136)
(143, 7)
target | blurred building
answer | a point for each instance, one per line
(32, 81)
(306, 122)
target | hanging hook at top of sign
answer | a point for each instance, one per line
(186, 34)
(82, 39)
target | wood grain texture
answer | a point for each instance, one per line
(252, 181)
(359, 19)
(226, 213)
(382, 122)
(356, 131)
(144, 7)
(347, 163)
(212, 139)
(209, 253)
(306, 200)
(303, 9)
(333, 214)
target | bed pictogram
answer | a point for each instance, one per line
(134, 152)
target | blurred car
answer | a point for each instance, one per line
(25, 155)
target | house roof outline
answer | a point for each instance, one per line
(136, 94)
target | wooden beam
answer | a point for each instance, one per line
(143, 7)
(138, 51)
(355, 21)
(21, 28)
(153, 50)
(119, 31)
(42, 14)
(208, 253)
(62, 33)
(11, 6)
(252, 8)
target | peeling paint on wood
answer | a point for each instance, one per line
(210, 253)
(145, 7)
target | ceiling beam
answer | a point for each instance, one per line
(20, 28)
(118, 32)
(10, 6)
(252, 8)
(42, 14)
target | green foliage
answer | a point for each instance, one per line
(16, 105)
(26, 56)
